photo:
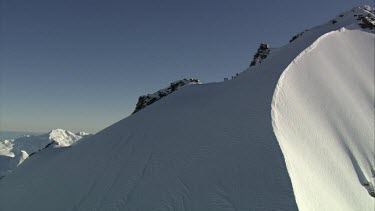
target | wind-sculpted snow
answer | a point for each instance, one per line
(215, 151)
(323, 117)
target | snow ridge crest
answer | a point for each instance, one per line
(146, 100)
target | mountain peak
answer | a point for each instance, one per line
(364, 16)
(65, 137)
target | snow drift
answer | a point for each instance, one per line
(218, 150)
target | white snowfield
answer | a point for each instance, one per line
(14, 152)
(219, 151)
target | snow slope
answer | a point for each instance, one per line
(14, 152)
(323, 117)
(215, 151)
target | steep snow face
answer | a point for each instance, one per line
(323, 118)
(14, 152)
(215, 151)
(149, 99)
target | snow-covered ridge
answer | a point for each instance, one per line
(217, 152)
(146, 100)
(15, 151)
(364, 16)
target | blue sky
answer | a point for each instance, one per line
(81, 65)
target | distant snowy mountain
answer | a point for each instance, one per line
(295, 131)
(14, 152)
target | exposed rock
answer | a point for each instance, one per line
(367, 21)
(146, 100)
(260, 55)
(370, 188)
(296, 36)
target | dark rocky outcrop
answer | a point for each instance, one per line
(297, 35)
(260, 55)
(367, 22)
(146, 100)
(51, 144)
(333, 21)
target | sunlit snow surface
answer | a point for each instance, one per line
(323, 117)
(205, 147)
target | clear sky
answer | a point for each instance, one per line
(81, 65)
